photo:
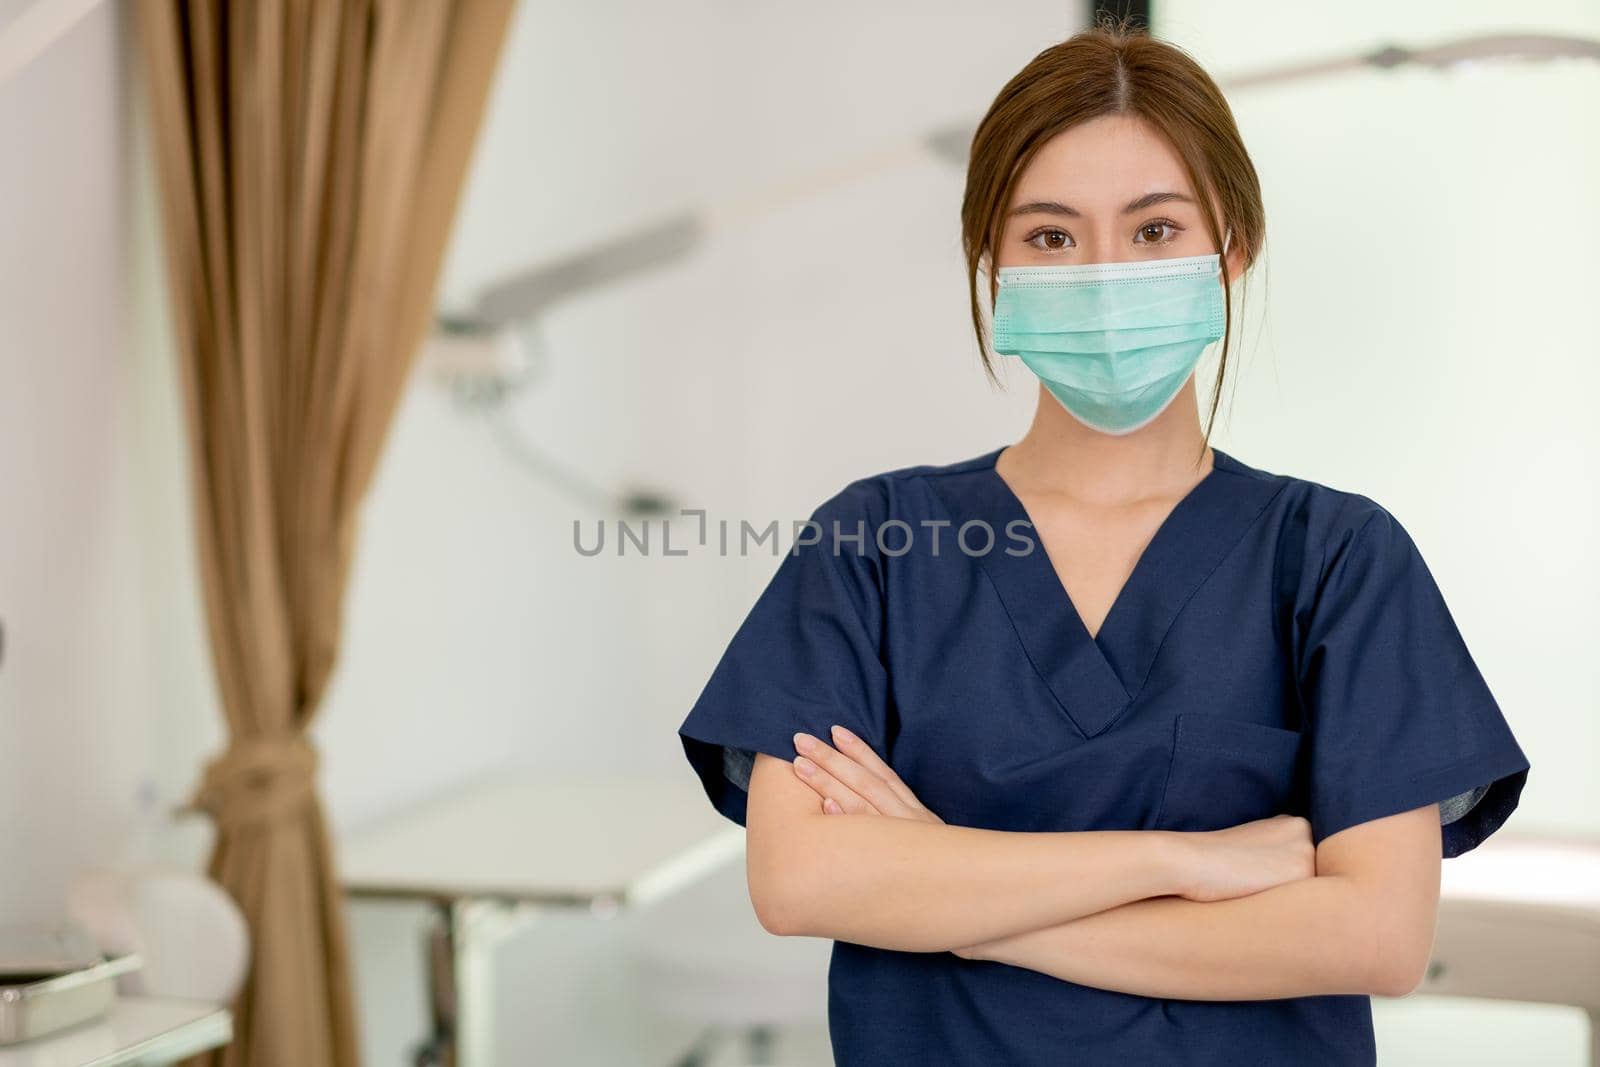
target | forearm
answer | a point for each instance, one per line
(1301, 938)
(924, 887)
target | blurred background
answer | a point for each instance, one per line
(1419, 331)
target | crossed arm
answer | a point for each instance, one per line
(840, 847)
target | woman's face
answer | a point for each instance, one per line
(1107, 191)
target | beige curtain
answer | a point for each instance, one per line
(310, 155)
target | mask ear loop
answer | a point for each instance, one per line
(1226, 237)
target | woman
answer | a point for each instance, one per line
(1106, 746)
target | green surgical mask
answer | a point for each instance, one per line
(1113, 342)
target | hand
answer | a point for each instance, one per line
(1250, 857)
(853, 780)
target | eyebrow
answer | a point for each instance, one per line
(1055, 207)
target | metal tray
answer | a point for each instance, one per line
(32, 1005)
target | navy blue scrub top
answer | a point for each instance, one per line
(1279, 647)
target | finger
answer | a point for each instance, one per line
(827, 787)
(858, 750)
(863, 782)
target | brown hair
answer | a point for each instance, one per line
(1113, 69)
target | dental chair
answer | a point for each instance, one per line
(703, 958)
(1519, 919)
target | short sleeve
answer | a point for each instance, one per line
(1398, 713)
(807, 656)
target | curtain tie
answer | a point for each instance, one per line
(258, 780)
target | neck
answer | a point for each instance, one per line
(1061, 455)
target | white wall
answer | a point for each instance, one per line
(95, 574)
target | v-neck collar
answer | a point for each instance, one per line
(1095, 679)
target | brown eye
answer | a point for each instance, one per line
(1055, 240)
(1151, 232)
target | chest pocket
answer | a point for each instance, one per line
(1228, 771)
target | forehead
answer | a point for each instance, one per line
(1102, 163)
